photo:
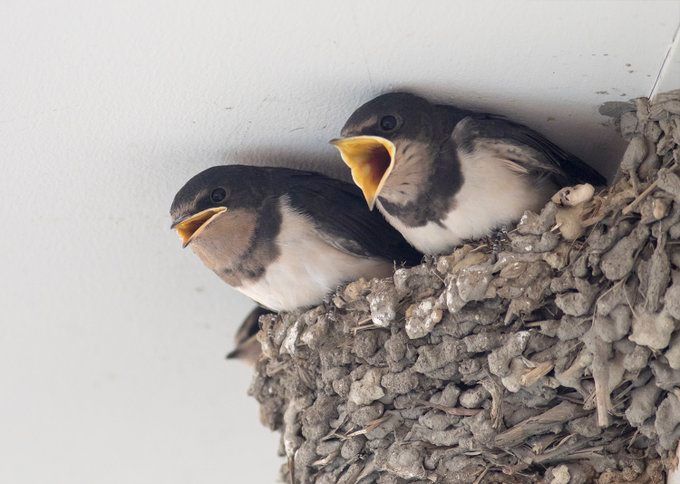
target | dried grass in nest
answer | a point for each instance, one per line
(549, 354)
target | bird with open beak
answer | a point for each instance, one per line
(441, 174)
(285, 238)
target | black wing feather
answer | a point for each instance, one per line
(339, 211)
(563, 167)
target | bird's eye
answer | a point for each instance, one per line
(388, 123)
(218, 195)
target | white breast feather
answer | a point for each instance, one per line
(308, 268)
(491, 195)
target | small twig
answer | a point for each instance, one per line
(481, 475)
(535, 374)
(601, 378)
(539, 424)
(496, 391)
(629, 208)
(291, 467)
(362, 326)
(333, 434)
(436, 274)
(569, 452)
(563, 441)
(326, 460)
(572, 399)
(371, 426)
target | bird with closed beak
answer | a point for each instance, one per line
(285, 238)
(248, 348)
(441, 174)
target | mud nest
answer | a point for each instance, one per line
(548, 353)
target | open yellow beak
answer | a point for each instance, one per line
(370, 158)
(189, 228)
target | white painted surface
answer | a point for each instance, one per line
(111, 337)
(669, 75)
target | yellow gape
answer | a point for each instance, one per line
(189, 228)
(371, 159)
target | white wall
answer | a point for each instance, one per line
(111, 337)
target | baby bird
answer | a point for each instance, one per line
(285, 238)
(440, 174)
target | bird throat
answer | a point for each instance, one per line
(423, 183)
(225, 242)
(412, 174)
